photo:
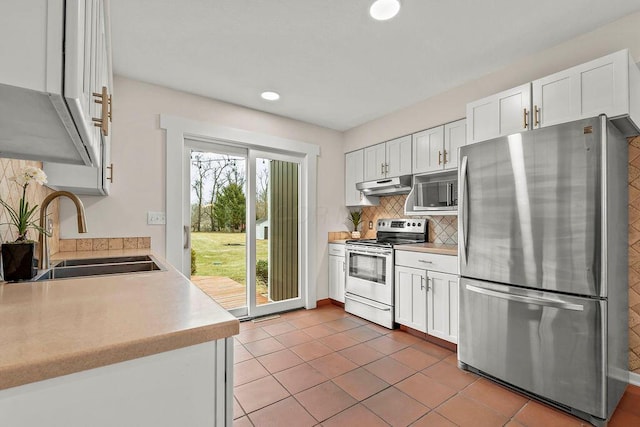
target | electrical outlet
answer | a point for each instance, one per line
(370, 225)
(156, 218)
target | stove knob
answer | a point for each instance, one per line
(414, 224)
(419, 224)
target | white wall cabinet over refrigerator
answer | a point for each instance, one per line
(337, 273)
(426, 297)
(353, 174)
(436, 149)
(49, 75)
(388, 159)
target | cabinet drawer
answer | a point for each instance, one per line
(427, 261)
(336, 249)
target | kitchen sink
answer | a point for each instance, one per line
(99, 266)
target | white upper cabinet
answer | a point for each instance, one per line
(388, 159)
(427, 150)
(354, 173)
(51, 52)
(455, 136)
(500, 114)
(602, 86)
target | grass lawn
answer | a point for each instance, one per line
(224, 254)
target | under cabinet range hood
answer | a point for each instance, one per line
(386, 186)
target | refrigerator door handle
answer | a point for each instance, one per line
(462, 210)
(545, 302)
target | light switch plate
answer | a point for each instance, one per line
(156, 218)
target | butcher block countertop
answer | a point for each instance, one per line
(433, 248)
(58, 327)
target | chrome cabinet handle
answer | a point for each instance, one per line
(439, 157)
(421, 283)
(386, 168)
(525, 124)
(545, 302)
(425, 261)
(445, 157)
(536, 113)
(382, 169)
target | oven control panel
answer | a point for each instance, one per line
(402, 225)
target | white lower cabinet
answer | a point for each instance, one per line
(426, 293)
(411, 297)
(336, 272)
(442, 306)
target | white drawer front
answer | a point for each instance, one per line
(427, 261)
(336, 249)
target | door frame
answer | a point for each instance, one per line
(178, 129)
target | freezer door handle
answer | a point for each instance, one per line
(546, 302)
(463, 210)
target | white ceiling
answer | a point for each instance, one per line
(333, 65)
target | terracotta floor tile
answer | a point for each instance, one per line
(356, 416)
(379, 329)
(361, 354)
(242, 422)
(450, 375)
(253, 334)
(305, 321)
(358, 320)
(325, 400)
(452, 358)
(433, 419)
(331, 315)
(338, 341)
(386, 345)
(343, 324)
(332, 365)
(432, 349)
(259, 393)
(633, 390)
(294, 338)
(389, 370)
(414, 358)
(296, 314)
(395, 407)
(403, 337)
(279, 328)
(300, 378)
(246, 325)
(362, 334)
(360, 383)
(621, 418)
(248, 371)
(237, 409)
(311, 350)
(466, 412)
(630, 402)
(240, 354)
(262, 347)
(512, 423)
(280, 360)
(425, 390)
(287, 412)
(496, 397)
(319, 331)
(268, 320)
(535, 414)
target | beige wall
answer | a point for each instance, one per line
(451, 105)
(138, 154)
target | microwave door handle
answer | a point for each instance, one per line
(463, 210)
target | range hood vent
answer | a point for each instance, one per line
(386, 187)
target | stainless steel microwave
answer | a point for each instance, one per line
(436, 195)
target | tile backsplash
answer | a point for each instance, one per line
(11, 193)
(103, 244)
(442, 229)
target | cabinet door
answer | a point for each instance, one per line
(500, 114)
(442, 306)
(374, 162)
(336, 278)
(411, 298)
(398, 155)
(596, 87)
(427, 150)
(455, 136)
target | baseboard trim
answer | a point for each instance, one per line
(321, 302)
(634, 379)
(435, 340)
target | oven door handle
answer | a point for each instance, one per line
(363, 252)
(366, 302)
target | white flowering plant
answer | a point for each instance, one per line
(23, 218)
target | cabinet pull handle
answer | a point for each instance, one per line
(110, 177)
(445, 157)
(536, 111)
(439, 157)
(103, 121)
(428, 284)
(386, 168)
(382, 169)
(425, 261)
(421, 283)
(525, 113)
(343, 268)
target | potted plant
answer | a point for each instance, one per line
(356, 219)
(18, 256)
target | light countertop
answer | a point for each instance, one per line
(434, 248)
(54, 328)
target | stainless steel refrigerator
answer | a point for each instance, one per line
(543, 264)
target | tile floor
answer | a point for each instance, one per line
(326, 367)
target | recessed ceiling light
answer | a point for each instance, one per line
(382, 10)
(270, 96)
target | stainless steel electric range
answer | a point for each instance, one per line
(370, 272)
